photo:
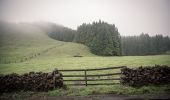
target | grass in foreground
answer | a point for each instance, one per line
(114, 89)
(95, 90)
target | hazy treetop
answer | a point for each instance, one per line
(132, 17)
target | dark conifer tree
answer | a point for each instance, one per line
(101, 37)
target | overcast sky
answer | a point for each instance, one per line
(131, 17)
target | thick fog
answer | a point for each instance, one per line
(132, 17)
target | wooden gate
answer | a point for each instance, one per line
(86, 76)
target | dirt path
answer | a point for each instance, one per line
(96, 97)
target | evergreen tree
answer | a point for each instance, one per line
(102, 38)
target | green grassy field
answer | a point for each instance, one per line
(48, 63)
(29, 40)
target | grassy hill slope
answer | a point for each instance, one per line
(21, 42)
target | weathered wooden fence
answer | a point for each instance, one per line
(86, 76)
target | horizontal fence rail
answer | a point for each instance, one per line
(91, 75)
(94, 79)
(86, 76)
(93, 84)
(65, 70)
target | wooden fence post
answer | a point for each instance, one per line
(85, 77)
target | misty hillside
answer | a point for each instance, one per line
(24, 41)
(20, 42)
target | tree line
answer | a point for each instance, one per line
(56, 31)
(145, 44)
(104, 39)
(63, 34)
